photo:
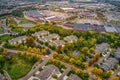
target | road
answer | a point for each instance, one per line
(4, 34)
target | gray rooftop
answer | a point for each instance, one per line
(57, 43)
(34, 13)
(73, 77)
(102, 47)
(70, 38)
(117, 54)
(41, 33)
(17, 39)
(109, 64)
(46, 73)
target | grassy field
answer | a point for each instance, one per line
(1, 31)
(18, 68)
(17, 29)
(4, 38)
(23, 20)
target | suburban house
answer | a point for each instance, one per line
(117, 54)
(102, 48)
(49, 38)
(57, 43)
(47, 72)
(18, 40)
(41, 34)
(109, 64)
(54, 36)
(73, 77)
(70, 38)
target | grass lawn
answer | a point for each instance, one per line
(1, 31)
(17, 29)
(23, 20)
(18, 68)
(5, 38)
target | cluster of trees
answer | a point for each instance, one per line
(29, 49)
(88, 38)
(99, 72)
(19, 12)
(70, 60)
(95, 58)
(111, 38)
(11, 22)
(83, 75)
(57, 63)
(30, 57)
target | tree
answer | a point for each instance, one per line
(55, 54)
(115, 78)
(106, 74)
(66, 58)
(59, 49)
(84, 50)
(5, 51)
(91, 50)
(86, 65)
(96, 57)
(98, 78)
(30, 39)
(60, 56)
(96, 71)
(72, 60)
(78, 63)
(2, 62)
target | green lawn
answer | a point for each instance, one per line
(1, 31)
(5, 38)
(23, 20)
(18, 68)
(17, 29)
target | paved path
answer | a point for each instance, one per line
(7, 75)
(65, 73)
